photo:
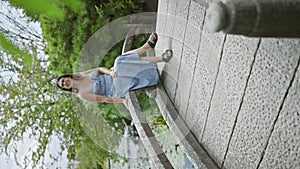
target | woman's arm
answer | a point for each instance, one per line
(89, 71)
(95, 98)
(101, 70)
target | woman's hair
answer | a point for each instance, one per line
(72, 76)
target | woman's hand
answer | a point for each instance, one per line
(113, 74)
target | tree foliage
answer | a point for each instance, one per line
(66, 37)
(51, 8)
(29, 99)
(33, 104)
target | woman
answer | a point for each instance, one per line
(130, 72)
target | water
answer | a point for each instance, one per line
(171, 147)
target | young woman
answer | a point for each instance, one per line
(130, 72)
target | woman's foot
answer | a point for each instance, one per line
(152, 40)
(167, 55)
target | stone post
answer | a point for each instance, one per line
(260, 18)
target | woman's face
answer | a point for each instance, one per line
(66, 82)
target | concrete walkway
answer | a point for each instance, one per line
(239, 96)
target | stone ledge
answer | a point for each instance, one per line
(157, 157)
(187, 141)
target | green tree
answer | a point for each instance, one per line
(51, 8)
(30, 101)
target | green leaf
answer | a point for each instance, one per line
(75, 5)
(15, 51)
(40, 7)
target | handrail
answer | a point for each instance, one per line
(157, 157)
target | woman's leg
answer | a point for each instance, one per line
(153, 59)
(164, 58)
(150, 44)
(143, 48)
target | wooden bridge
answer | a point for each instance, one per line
(232, 101)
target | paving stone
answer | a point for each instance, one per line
(283, 151)
(192, 38)
(182, 9)
(176, 44)
(194, 26)
(189, 57)
(204, 78)
(196, 14)
(272, 72)
(163, 6)
(172, 6)
(225, 97)
(181, 19)
(188, 61)
(172, 69)
(162, 13)
(237, 58)
(203, 2)
(171, 19)
(185, 79)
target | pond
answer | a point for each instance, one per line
(135, 156)
(170, 146)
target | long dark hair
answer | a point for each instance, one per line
(72, 76)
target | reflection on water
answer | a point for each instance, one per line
(130, 143)
(135, 154)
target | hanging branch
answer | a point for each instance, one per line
(22, 27)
